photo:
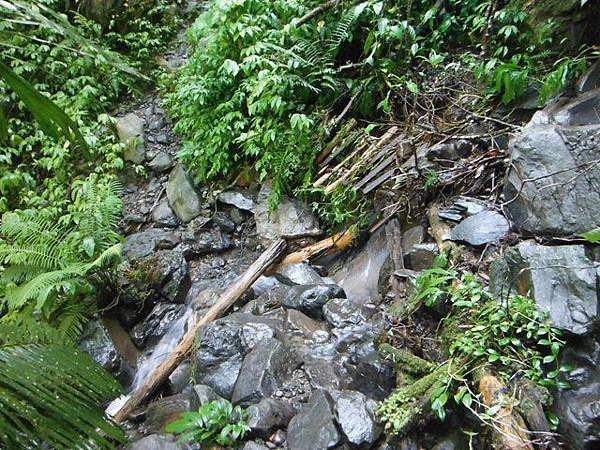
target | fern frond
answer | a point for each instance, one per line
(50, 394)
(340, 33)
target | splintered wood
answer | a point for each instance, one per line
(362, 162)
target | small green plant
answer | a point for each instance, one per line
(592, 236)
(216, 422)
(507, 335)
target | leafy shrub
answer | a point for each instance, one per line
(216, 422)
(509, 335)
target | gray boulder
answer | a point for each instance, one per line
(130, 129)
(292, 219)
(155, 442)
(421, 256)
(269, 415)
(582, 110)
(202, 241)
(263, 371)
(96, 342)
(562, 195)
(301, 273)
(164, 216)
(310, 299)
(158, 322)
(355, 414)
(483, 228)
(578, 406)
(561, 280)
(161, 162)
(314, 427)
(142, 244)
(183, 198)
(201, 395)
(221, 348)
(590, 80)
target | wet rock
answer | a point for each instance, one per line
(239, 199)
(582, 110)
(164, 216)
(96, 342)
(561, 280)
(590, 80)
(314, 427)
(414, 235)
(221, 348)
(301, 273)
(361, 272)
(295, 321)
(206, 241)
(162, 138)
(201, 395)
(341, 313)
(255, 446)
(310, 299)
(142, 244)
(292, 219)
(155, 442)
(325, 373)
(180, 378)
(183, 198)
(166, 410)
(450, 151)
(156, 324)
(372, 375)
(263, 371)
(269, 415)
(130, 129)
(164, 272)
(578, 406)
(563, 199)
(222, 220)
(421, 256)
(355, 414)
(483, 228)
(134, 218)
(464, 207)
(161, 162)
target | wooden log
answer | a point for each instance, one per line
(315, 12)
(337, 139)
(405, 360)
(226, 300)
(508, 431)
(531, 400)
(332, 244)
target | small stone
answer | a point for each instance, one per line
(201, 395)
(162, 138)
(223, 221)
(240, 199)
(134, 218)
(356, 416)
(268, 415)
(161, 162)
(310, 299)
(155, 442)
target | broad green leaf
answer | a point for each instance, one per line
(592, 236)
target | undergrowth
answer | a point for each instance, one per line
(506, 336)
(261, 89)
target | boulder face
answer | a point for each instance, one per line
(561, 280)
(562, 195)
(578, 406)
(292, 219)
(314, 427)
(130, 129)
(183, 198)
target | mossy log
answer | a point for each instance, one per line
(405, 360)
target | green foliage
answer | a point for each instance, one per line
(592, 236)
(45, 260)
(509, 335)
(69, 64)
(216, 422)
(49, 394)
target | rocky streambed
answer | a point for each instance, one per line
(299, 350)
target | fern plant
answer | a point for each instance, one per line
(49, 393)
(45, 260)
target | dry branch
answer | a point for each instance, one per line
(315, 12)
(227, 299)
(332, 244)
